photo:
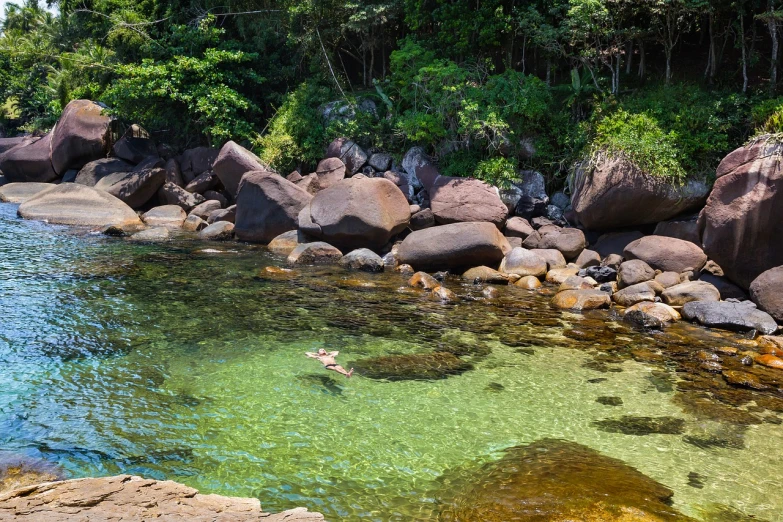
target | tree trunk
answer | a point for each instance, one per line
(773, 32)
(641, 60)
(629, 58)
(709, 72)
(744, 54)
(668, 51)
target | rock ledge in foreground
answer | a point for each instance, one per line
(126, 497)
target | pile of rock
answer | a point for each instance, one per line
(366, 212)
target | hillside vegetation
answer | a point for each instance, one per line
(488, 87)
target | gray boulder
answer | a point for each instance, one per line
(21, 192)
(172, 194)
(203, 210)
(362, 259)
(741, 316)
(569, 241)
(94, 171)
(420, 168)
(134, 149)
(72, 204)
(201, 183)
(224, 214)
(171, 216)
(218, 231)
(195, 161)
(633, 272)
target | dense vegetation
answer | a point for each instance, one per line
(488, 86)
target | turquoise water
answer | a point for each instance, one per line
(184, 361)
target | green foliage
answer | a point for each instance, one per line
(203, 91)
(768, 116)
(296, 133)
(641, 139)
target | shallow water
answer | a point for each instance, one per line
(183, 361)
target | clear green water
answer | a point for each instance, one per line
(178, 362)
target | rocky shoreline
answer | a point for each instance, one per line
(650, 252)
(126, 497)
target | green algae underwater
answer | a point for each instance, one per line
(185, 361)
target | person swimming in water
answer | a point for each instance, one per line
(327, 359)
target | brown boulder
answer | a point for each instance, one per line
(767, 292)
(7, 144)
(173, 173)
(579, 300)
(633, 294)
(29, 162)
(615, 193)
(528, 283)
(422, 219)
(633, 272)
(484, 274)
(661, 312)
(588, 258)
(329, 171)
(356, 213)
(171, 216)
(667, 254)
(201, 183)
(523, 262)
(223, 214)
(568, 241)
(453, 246)
(688, 291)
(94, 171)
(686, 229)
(458, 200)
(267, 206)
(203, 210)
(72, 204)
(423, 280)
(80, 136)
(740, 226)
(134, 149)
(134, 188)
(234, 161)
(518, 227)
(554, 258)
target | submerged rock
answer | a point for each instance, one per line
(125, 497)
(317, 253)
(631, 425)
(72, 204)
(554, 480)
(579, 300)
(420, 366)
(362, 259)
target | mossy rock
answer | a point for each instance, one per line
(554, 480)
(419, 366)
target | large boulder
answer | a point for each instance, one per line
(667, 254)
(29, 162)
(767, 292)
(21, 192)
(741, 316)
(568, 241)
(740, 226)
(356, 213)
(267, 205)
(457, 200)
(134, 188)
(94, 171)
(349, 152)
(454, 246)
(518, 227)
(615, 193)
(685, 228)
(233, 162)
(202, 183)
(72, 204)
(80, 136)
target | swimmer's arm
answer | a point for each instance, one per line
(312, 355)
(334, 354)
